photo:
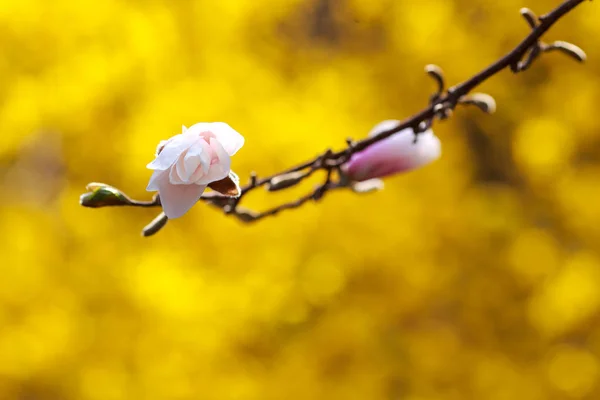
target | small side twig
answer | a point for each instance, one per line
(540, 47)
(155, 225)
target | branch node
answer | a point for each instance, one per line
(422, 127)
(443, 110)
(532, 54)
(322, 160)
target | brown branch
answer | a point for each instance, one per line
(442, 103)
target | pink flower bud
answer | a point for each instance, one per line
(395, 154)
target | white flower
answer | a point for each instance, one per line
(189, 162)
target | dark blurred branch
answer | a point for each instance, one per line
(441, 105)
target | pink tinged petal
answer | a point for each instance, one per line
(156, 177)
(220, 154)
(205, 153)
(382, 158)
(176, 200)
(188, 164)
(201, 130)
(170, 152)
(396, 154)
(174, 177)
(178, 174)
(220, 163)
(197, 157)
(229, 138)
(198, 174)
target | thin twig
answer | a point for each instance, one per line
(441, 105)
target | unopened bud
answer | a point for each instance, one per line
(102, 195)
(529, 16)
(437, 74)
(245, 215)
(483, 101)
(285, 181)
(369, 186)
(569, 49)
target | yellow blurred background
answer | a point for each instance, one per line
(477, 277)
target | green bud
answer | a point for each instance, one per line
(102, 195)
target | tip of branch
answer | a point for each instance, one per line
(438, 75)
(529, 16)
(569, 49)
(483, 101)
(155, 225)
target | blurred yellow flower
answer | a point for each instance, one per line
(476, 277)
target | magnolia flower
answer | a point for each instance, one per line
(397, 153)
(189, 162)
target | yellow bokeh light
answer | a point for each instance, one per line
(574, 371)
(475, 277)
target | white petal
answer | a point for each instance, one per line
(183, 129)
(220, 169)
(157, 176)
(176, 200)
(429, 148)
(399, 144)
(180, 169)
(193, 161)
(172, 150)
(222, 155)
(197, 156)
(402, 146)
(384, 126)
(229, 138)
(202, 150)
(174, 177)
(161, 144)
